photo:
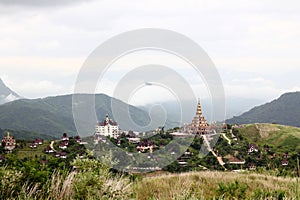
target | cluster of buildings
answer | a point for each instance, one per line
(35, 143)
(110, 128)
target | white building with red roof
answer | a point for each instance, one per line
(107, 128)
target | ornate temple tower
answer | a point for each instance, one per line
(199, 124)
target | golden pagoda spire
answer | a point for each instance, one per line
(199, 109)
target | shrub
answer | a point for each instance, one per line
(231, 190)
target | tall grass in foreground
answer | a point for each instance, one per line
(91, 180)
(217, 185)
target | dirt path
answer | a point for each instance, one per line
(226, 138)
(51, 146)
(220, 159)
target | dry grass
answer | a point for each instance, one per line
(204, 185)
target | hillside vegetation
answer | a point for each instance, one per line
(284, 110)
(281, 138)
(53, 115)
(24, 135)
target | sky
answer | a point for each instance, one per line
(254, 44)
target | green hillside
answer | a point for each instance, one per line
(281, 138)
(285, 110)
(24, 135)
(53, 115)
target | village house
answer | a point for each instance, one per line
(64, 145)
(285, 163)
(286, 155)
(49, 150)
(252, 167)
(235, 161)
(65, 137)
(38, 141)
(145, 145)
(80, 155)
(252, 148)
(61, 155)
(132, 138)
(32, 145)
(77, 139)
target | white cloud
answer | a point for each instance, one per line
(254, 44)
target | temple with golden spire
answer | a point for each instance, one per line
(199, 124)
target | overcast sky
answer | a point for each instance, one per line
(254, 44)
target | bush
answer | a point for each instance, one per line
(232, 190)
(264, 194)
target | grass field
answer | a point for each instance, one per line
(27, 152)
(282, 138)
(217, 185)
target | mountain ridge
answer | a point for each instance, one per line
(53, 115)
(6, 94)
(285, 110)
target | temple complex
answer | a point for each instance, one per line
(199, 124)
(9, 142)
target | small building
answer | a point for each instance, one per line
(65, 137)
(134, 140)
(9, 142)
(64, 145)
(32, 145)
(285, 163)
(61, 155)
(182, 162)
(235, 161)
(77, 139)
(80, 155)
(49, 150)
(252, 167)
(145, 145)
(286, 155)
(252, 148)
(38, 141)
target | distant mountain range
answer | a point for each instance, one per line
(234, 106)
(6, 94)
(284, 110)
(53, 115)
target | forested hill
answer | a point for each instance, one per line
(284, 110)
(53, 115)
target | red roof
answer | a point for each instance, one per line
(110, 122)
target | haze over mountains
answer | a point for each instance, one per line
(6, 94)
(53, 115)
(234, 106)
